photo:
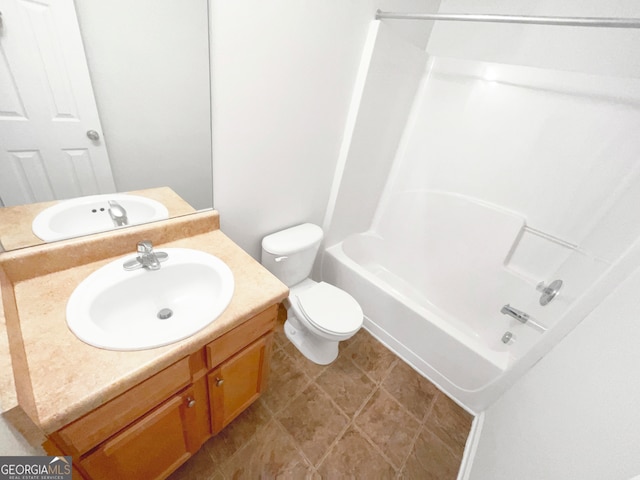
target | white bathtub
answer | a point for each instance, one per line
(432, 290)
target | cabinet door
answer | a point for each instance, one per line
(152, 447)
(238, 382)
(107, 420)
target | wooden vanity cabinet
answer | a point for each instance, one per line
(80, 436)
(238, 382)
(152, 447)
(136, 436)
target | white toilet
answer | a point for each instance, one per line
(319, 315)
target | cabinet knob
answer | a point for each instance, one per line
(219, 382)
(190, 402)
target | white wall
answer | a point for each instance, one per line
(149, 64)
(589, 50)
(575, 414)
(283, 74)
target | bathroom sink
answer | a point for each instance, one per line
(117, 309)
(85, 215)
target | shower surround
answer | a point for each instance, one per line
(469, 184)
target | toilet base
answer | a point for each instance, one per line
(318, 350)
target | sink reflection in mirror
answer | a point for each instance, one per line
(95, 213)
(118, 309)
(93, 125)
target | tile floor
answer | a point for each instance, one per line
(368, 415)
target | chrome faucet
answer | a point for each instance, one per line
(147, 258)
(515, 313)
(118, 214)
(522, 317)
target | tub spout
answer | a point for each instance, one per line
(522, 317)
(515, 313)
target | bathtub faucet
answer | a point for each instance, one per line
(522, 317)
(515, 313)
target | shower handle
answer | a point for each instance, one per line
(549, 292)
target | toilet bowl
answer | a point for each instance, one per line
(319, 315)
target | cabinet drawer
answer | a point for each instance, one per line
(88, 431)
(238, 338)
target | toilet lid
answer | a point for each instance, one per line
(330, 309)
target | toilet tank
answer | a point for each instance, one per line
(289, 254)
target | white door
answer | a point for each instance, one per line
(47, 107)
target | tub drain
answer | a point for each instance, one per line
(165, 313)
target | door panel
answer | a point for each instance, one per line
(46, 107)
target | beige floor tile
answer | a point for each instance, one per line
(371, 356)
(389, 426)
(271, 453)
(450, 423)
(313, 421)
(430, 459)
(198, 467)
(354, 457)
(286, 380)
(346, 384)
(411, 389)
(238, 432)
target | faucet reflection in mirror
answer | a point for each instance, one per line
(118, 214)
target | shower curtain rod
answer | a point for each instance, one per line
(609, 22)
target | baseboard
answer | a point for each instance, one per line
(471, 447)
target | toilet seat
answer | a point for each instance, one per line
(330, 309)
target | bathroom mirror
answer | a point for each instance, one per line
(103, 97)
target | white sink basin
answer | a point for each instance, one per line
(117, 309)
(85, 215)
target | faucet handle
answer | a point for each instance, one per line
(145, 246)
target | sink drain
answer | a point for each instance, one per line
(165, 313)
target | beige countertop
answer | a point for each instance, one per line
(16, 233)
(15, 222)
(58, 377)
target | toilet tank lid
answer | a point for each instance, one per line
(292, 239)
